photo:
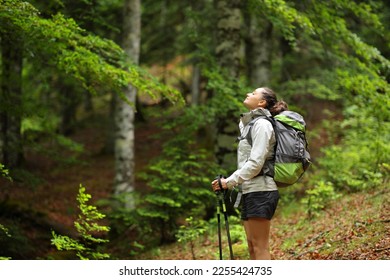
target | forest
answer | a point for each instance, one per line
(116, 116)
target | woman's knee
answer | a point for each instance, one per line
(261, 245)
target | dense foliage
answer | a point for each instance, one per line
(97, 63)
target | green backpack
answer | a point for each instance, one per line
(291, 158)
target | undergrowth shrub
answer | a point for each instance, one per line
(355, 163)
(87, 247)
(190, 232)
(318, 198)
(350, 169)
(179, 178)
(4, 172)
(237, 236)
(14, 242)
(4, 233)
(130, 232)
(42, 137)
(180, 185)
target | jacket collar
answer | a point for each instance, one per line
(247, 117)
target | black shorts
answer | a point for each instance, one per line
(259, 205)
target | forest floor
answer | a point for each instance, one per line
(355, 226)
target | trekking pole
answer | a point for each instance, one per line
(221, 202)
(219, 225)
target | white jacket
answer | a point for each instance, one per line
(250, 159)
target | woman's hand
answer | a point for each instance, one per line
(216, 187)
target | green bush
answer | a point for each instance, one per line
(181, 186)
(355, 163)
(179, 178)
(4, 230)
(237, 236)
(190, 232)
(4, 172)
(318, 198)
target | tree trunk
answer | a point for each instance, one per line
(124, 113)
(195, 85)
(258, 45)
(11, 100)
(228, 35)
(228, 41)
(69, 103)
(286, 67)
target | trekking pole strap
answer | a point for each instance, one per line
(238, 190)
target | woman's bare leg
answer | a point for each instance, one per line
(257, 232)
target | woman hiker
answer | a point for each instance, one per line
(260, 194)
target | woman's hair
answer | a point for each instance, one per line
(273, 105)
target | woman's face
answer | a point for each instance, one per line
(254, 99)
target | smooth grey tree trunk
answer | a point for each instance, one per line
(124, 112)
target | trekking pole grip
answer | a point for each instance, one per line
(219, 177)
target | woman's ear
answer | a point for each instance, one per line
(262, 103)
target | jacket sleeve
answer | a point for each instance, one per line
(262, 146)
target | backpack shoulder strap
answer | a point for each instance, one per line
(248, 135)
(268, 162)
